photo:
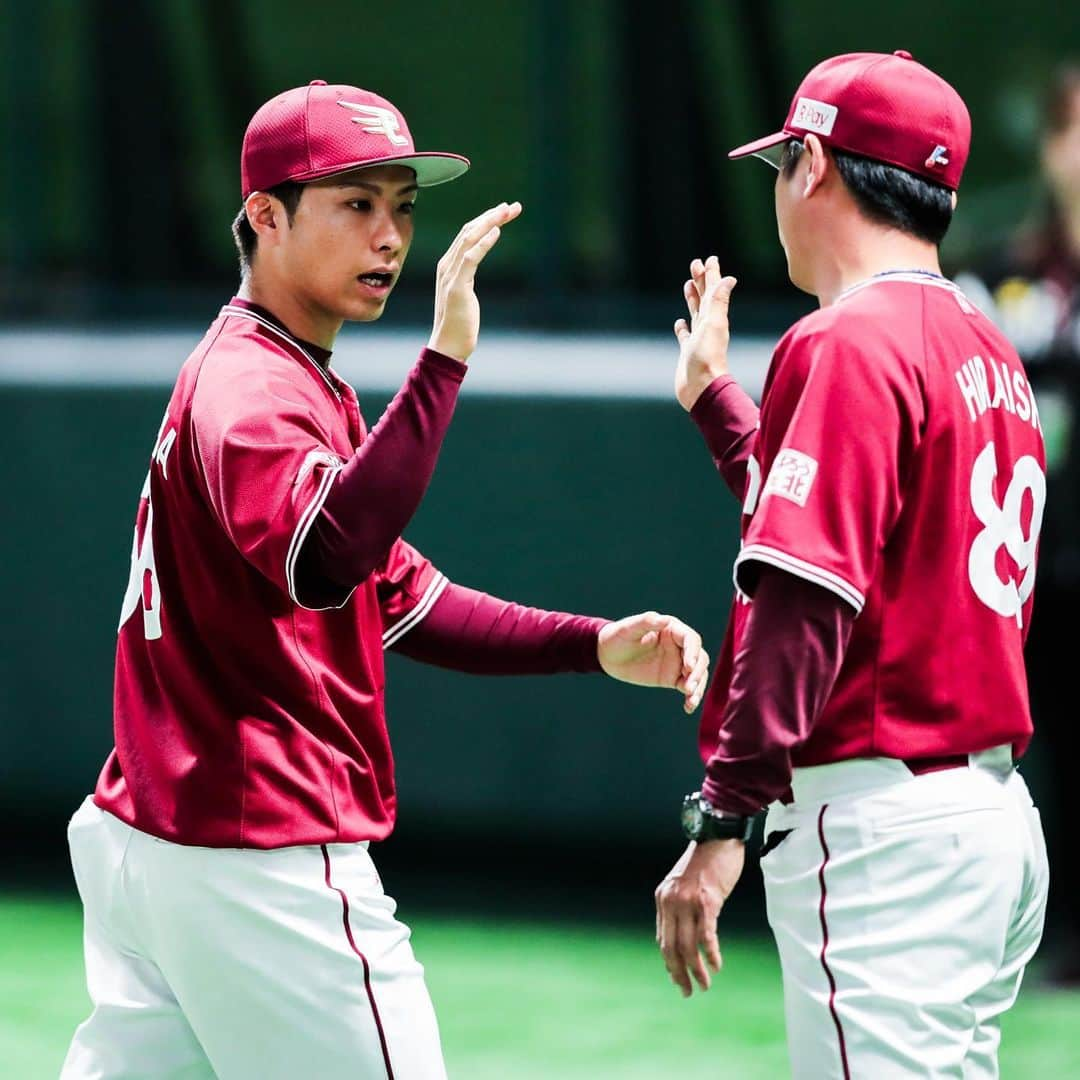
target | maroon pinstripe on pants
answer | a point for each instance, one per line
(363, 960)
(825, 943)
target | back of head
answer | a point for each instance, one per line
(898, 132)
(887, 194)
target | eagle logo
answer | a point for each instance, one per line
(376, 120)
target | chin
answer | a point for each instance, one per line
(364, 312)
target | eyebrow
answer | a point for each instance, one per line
(377, 189)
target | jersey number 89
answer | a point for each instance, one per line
(1003, 527)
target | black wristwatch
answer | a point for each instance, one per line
(702, 821)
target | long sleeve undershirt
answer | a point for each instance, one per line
(372, 500)
(790, 654)
(728, 419)
(471, 631)
(379, 489)
(791, 649)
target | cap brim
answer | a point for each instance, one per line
(768, 149)
(430, 168)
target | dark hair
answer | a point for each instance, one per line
(886, 194)
(245, 237)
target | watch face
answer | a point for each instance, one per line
(692, 819)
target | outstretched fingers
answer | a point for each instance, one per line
(475, 231)
(473, 256)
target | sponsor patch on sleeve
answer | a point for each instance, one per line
(791, 476)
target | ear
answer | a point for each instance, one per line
(265, 215)
(818, 164)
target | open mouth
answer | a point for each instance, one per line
(377, 280)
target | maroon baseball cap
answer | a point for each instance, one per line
(884, 106)
(315, 131)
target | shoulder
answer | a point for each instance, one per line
(245, 371)
(876, 327)
(861, 357)
(838, 335)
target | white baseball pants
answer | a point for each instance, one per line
(242, 964)
(905, 909)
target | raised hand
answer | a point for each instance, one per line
(703, 342)
(457, 311)
(656, 650)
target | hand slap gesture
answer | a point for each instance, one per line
(656, 650)
(457, 311)
(703, 343)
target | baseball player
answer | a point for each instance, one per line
(871, 690)
(235, 925)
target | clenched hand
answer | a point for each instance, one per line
(656, 650)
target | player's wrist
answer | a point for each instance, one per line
(697, 383)
(455, 350)
(704, 823)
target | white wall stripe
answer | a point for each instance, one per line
(376, 358)
(800, 568)
(434, 590)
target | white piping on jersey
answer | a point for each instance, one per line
(800, 568)
(912, 277)
(243, 313)
(303, 527)
(427, 602)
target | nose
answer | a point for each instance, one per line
(386, 236)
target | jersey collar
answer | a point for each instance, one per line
(315, 355)
(911, 277)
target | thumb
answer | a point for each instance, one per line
(723, 290)
(652, 620)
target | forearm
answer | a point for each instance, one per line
(471, 631)
(379, 489)
(784, 671)
(728, 420)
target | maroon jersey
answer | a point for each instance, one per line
(899, 464)
(248, 712)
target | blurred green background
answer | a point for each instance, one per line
(121, 123)
(547, 804)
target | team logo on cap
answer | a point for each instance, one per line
(939, 157)
(376, 120)
(814, 115)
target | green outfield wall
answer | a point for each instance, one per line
(569, 479)
(600, 506)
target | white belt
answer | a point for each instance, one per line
(841, 779)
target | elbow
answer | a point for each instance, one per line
(343, 560)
